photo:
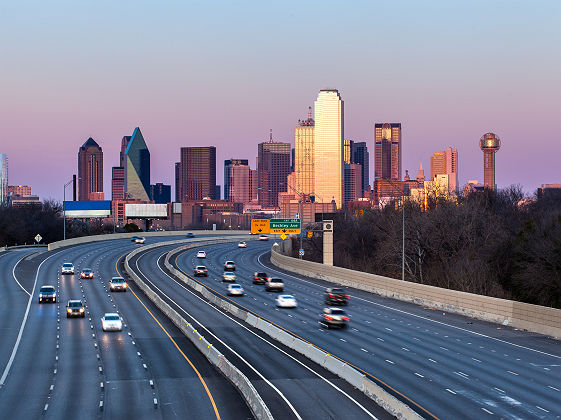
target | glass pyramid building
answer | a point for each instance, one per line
(137, 168)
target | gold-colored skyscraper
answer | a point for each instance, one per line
(304, 155)
(328, 147)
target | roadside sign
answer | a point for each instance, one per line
(283, 236)
(310, 234)
(38, 238)
(284, 226)
(259, 226)
(301, 252)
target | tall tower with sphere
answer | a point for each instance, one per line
(489, 143)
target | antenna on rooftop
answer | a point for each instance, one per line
(309, 113)
(270, 135)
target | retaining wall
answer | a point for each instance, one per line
(240, 381)
(341, 369)
(539, 319)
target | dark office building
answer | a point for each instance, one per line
(387, 151)
(361, 156)
(273, 167)
(90, 170)
(197, 172)
(137, 167)
(160, 193)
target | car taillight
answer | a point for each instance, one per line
(332, 296)
(345, 318)
(347, 296)
(328, 318)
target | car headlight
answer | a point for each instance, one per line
(81, 309)
(69, 310)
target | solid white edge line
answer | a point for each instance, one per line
(418, 316)
(16, 345)
(14, 275)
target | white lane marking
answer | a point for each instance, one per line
(434, 361)
(443, 348)
(487, 411)
(24, 321)
(342, 339)
(417, 316)
(419, 375)
(381, 339)
(247, 329)
(543, 409)
(499, 389)
(462, 375)
(16, 279)
(389, 329)
(552, 387)
(389, 361)
(366, 351)
(477, 360)
(512, 373)
(403, 348)
(450, 391)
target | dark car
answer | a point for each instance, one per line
(335, 296)
(75, 308)
(190, 235)
(334, 317)
(87, 273)
(47, 294)
(200, 270)
(260, 277)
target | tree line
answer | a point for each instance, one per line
(493, 243)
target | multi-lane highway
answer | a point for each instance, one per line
(61, 367)
(443, 365)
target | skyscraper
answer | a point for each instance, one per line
(437, 164)
(3, 179)
(361, 156)
(237, 181)
(304, 155)
(118, 173)
(445, 163)
(353, 182)
(137, 167)
(160, 193)
(387, 151)
(90, 170)
(177, 181)
(489, 144)
(273, 166)
(328, 147)
(347, 151)
(197, 169)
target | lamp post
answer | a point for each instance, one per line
(64, 207)
(402, 225)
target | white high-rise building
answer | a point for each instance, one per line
(3, 179)
(328, 147)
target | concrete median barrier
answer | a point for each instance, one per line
(234, 375)
(385, 400)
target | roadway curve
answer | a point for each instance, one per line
(71, 367)
(443, 365)
(291, 385)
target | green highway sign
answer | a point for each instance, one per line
(284, 226)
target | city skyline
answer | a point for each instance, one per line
(445, 90)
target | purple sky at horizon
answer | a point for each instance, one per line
(223, 74)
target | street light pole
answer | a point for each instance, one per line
(64, 207)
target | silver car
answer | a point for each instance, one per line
(235, 290)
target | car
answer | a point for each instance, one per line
(87, 273)
(111, 322)
(274, 285)
(201, 270)
(229, 276)
(190, 235)
(138, 239)
(335, 296)
(242, 244)
(201, 254)
(117, 284)
(260, 277)
(235, 290)
(67, 268)
(47, 293)
(229, 266)
(286, 301)
(334, 317)
(263, 238)
(75, 307)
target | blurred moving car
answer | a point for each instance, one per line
(190, 235)
(260, 277)
(274, 285)
(286, 301)
(235, 290)
(67, 268)
(118, 284)
(47, 293)
(228, 276)
(87, 273)
(263, 238)
(335, 296)
(229, 266)
(201, 254)
(75, 308)
(111, 322)
(201, 270)
(138, 239)
(242, 244)
(334, 317)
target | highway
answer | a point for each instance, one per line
(291, 385)
(443, 365)
(70, 367)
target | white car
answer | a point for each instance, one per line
(111, 322)
(242, 244)
(201, 254)
(286, 301)
(67, 268)
(263, 238)
(235, 290)
(138, 239)
(228, 276)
